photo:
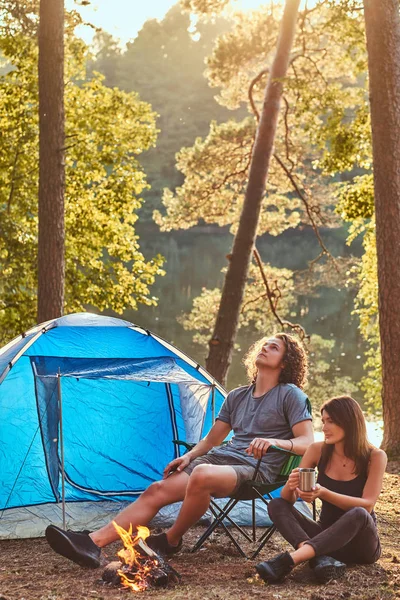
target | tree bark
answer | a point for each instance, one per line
(383, 45)
(51, 260)
(222, 341)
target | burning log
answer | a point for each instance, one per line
(110, 573)
(159, 578)
(145, 550)
(141, 567)
(156, 576)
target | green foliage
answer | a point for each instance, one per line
(241, 53)
(367, 309)
(324, 382)
(356, 205)
(108, 59)
(357, 199)
(215, 171)
(314, 132)
(106, 129)
(324, 130)
(349, 148)
(346, 6)
(165, 65)
(205, 7)
(255, 313)
(349, 139)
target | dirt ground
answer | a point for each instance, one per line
(29, 570)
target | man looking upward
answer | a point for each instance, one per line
(272, 410)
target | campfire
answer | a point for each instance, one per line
(139, 567)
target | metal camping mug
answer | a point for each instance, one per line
(307, 479)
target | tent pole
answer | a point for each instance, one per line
(61, 449)
(213, 403)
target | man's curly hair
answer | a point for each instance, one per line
(295, 360)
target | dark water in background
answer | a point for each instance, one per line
(194, 260)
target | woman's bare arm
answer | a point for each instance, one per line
(309, 460)
(372, 488)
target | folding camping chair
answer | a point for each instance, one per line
(250, 490)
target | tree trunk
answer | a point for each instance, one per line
(51, 261)
(383, 46)
(222, 341)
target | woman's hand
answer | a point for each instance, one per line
(293, 481)
(312, 495)
(178, 464)
(259, 447)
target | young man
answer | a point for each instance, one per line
(273, 410)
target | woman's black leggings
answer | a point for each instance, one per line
(353, 538)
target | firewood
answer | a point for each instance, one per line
(110, 573)
(158, 577)
(145, 550)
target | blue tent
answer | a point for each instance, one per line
(124, 394)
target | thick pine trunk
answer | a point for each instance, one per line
(222, 341)
(383, 45)
(51, 262)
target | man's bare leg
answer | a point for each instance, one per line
(148, 504)
(205, 481)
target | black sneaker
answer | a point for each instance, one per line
(326, 568)
(159, 543)
(276, 569)
(78, 547)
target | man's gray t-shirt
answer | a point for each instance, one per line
(272, 415)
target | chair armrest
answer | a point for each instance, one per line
(278, 449)
(186, 445)
(274, 449)
(189, 445)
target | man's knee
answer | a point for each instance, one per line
(154, 490)
(159, 493)
(201, 477)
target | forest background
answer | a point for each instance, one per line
(321, 281)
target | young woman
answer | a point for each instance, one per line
(350, 474)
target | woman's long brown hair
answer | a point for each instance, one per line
(346, 412)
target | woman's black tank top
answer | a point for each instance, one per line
(329, 512)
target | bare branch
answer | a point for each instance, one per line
(272, 299)
(307, 207)
(252, 301)
(256, 79)
(287, 129)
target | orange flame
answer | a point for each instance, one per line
(130, 557)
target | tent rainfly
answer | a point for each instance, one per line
(90, 406)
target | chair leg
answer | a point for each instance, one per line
(220, 515)
(264, 539)
(209, 531)
(253, 518)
